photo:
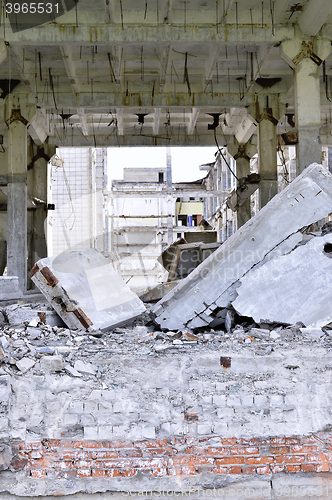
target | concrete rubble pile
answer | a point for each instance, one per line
(273, 269)
(26, 343)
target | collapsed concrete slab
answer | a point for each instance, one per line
(212, 286)
(291, 288)
(85, 290)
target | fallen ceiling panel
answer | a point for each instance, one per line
(196, 301)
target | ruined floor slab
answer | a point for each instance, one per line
(290, 288)
(85, 290)
(212, 285)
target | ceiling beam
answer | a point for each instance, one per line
(131, 140)
(119, 121)
(83, 121)
(61, 34)
(193, 121)
(25, 68)
(179, 100)
(227, 8)
(210, 67)
(164, 69)
(156, 121)
(70, 67)
(314, 16)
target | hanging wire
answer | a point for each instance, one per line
(223, 156)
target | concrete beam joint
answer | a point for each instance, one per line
(268, 115)
(294, 51)
(16, 117)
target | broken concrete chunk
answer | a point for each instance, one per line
(25, 364)
(72, 371)
(52, 364)
(213, 285)
(85, 290)
(86, 368)
(290, 288)
(5, 456)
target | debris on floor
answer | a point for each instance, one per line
(53, 349)
(85, 290)
(275, 231)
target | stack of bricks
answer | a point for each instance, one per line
(176, 456)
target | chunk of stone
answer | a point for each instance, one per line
(86, 368)
(52, 363)
(33, 333)
(25, 364)
(197, 299)
(290, 288)
(5, 456)
(72, 371)
(85, 290)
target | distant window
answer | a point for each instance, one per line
(161, 176)
(192, 198)
(179, 235)
(182, 219)
(194, 220)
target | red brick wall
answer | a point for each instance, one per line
(177, 456)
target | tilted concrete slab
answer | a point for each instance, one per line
(290, 288)
(85, 290)
(212, 285)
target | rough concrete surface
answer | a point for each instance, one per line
(291, 288)
(85, 290)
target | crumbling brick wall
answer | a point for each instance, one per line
(194, 419)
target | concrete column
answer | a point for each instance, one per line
(305, 57)
(39, 246)
(242, 154)
(267, 156)
(17, 198)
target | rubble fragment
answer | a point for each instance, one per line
(85, 290)
(198, 299)
(290, 288)
(25, 364)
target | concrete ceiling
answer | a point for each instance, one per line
(97, 69)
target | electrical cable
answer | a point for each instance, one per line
(223, 156)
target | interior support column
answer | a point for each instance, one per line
(307, 114)
(305, 57)
(267, 149)
(40, 190)
(242, 154)
(17, 198)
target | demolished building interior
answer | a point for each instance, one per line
(208, 374)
